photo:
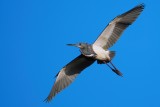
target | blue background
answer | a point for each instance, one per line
(33, 34)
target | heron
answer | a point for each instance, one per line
(98, 51)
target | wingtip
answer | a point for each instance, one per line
(47, 100)
(142, 5)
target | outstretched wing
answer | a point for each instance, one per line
(68, 74)
(116, 27)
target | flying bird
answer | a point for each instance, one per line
(98, 51)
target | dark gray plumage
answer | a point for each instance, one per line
(69, 73)
(96, 51)
(85, 48)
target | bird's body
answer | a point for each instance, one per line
(102, 55)
(93, 51)
(98, 51)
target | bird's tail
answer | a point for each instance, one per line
(112, 54)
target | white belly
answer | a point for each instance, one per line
(101, 53)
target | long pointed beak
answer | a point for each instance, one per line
(76, 45)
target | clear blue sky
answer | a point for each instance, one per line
(33, 34)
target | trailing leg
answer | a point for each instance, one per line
(114, 69)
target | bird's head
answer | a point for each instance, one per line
(79, 45)
(85, 49)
